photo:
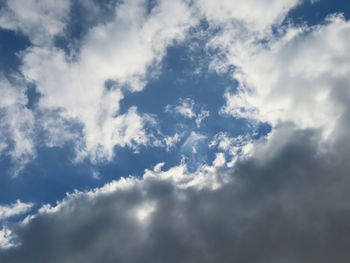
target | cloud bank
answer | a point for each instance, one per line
(285, 203)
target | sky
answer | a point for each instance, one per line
(174, 131)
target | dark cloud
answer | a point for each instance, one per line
(288, 203)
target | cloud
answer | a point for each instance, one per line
(119, 51)
(6, 212)
(237, 148)
(250, 13)
(187, 108)
(284, 201)
(6, 240)
(171, 141)
(17, 208)
(86, 85)
(304, 81)
(86, 89)
(192, 141)
(17, 124)
(39, 20)
(285, 204)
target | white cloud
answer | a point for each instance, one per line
(16, 126)
(40, 20)
(204, 177)
(120, 51)
(258, 15)
(187, 108)
(219, 160)
(128, 129)
(238, 148)
(17, 208)
(171, 141)
(300, 78)
(58, 129)
(6, 238)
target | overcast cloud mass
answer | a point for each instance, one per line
(174, 131)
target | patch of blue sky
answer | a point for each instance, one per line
(33, 96)
(11, 43)
(314, 12)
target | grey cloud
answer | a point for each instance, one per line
(288, 206)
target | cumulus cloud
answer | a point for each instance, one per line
(87, 89)
(283, 204)
(120, 52)
(303, 82)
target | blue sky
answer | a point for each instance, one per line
(199, 109)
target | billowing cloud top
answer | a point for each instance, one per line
(174, 131)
